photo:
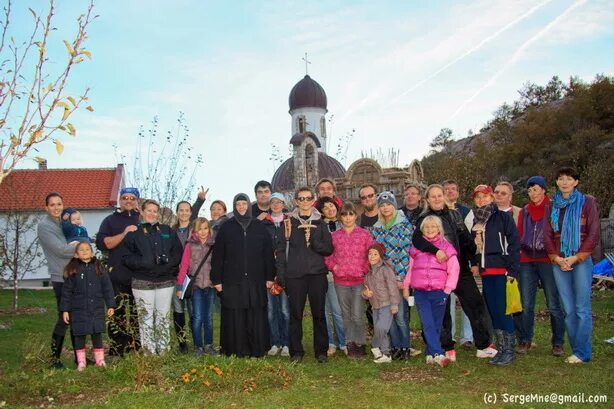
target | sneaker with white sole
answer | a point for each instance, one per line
(488, 352)
(376, 352)
(383, 359)
(344, 350)
(451, 355)
(331, 350)
(573, 359)
(430, 360)
(273, 351)
(414, 352)
(285, 351)
(441, 360)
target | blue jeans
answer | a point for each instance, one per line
(493, 287)
(575, 293)
(202, 315)
(279, 318)
(399, 330)
(530, 274)
(431, 308)
(333, 308)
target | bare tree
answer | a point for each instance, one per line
(164, 167)
(34, 100)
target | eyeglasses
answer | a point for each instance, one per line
(128, 198)
(369, 196)
(500, 192)
(305, 198)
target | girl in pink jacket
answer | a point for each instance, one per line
(432, 282)
(349, 266)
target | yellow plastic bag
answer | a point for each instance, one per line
(513, 304)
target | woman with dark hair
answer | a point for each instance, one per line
(186, 213)
(241, 271)
(154, 254)
(329, 209)
(571, 236)
(498, 247)
(466, 289)
(57, 254)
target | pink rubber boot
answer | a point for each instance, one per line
(99, 357)
(81, 363)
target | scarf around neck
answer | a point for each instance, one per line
(482, 214)
(570, 229)
(537, 211)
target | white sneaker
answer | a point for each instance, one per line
(331, 350)
(376, 352)
(573, 359)
(430, 360)
(487, 352)
(383, 359)
(441, 360)
(285, 351)
(451, 355)
(414, 352)
(344, 349)
(273, 351)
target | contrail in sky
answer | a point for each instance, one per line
(517, 55)
(472, 49)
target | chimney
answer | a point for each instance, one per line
(42, 164)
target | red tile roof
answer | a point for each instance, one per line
(80, 188)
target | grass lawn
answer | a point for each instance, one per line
(182, 381)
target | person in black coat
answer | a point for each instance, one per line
(242, 269)
(87, 287)
(300, 252)
(153, 257)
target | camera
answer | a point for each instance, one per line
(161, 259)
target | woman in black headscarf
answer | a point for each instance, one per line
(242, 267)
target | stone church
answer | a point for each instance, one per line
(310, 161)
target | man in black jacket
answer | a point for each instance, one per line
(300, 251)
(111, 234)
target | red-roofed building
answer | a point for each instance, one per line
(94, 192)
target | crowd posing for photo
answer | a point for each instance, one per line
(361, 270)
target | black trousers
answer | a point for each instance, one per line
(96, 341)
(474, 307)
(123, 328)
(60, 326)
(298, 289)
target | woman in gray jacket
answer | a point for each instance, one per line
(58, 254)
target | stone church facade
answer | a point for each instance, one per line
(310, 161)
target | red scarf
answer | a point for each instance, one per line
(537, 211)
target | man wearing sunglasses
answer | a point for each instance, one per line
(110, 236)
(503, 198)
(300, 247)
(368, 199)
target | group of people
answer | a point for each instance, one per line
(360, 270)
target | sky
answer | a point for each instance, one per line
(396, 72)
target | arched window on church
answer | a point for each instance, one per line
(365, 174)
(310, 166)
(301, 124)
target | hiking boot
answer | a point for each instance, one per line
(557, 350)
(523, 347)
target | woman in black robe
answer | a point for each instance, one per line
(242, 267)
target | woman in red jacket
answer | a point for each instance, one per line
(571, 237)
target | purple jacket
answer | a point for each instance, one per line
(427, 274)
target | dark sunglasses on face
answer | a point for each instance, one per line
(369, 196)
(500, 192)
(305, 198)
(128, 198)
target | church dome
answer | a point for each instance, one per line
(307, 93)
(328, 167)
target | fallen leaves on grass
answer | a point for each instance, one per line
(412, 374)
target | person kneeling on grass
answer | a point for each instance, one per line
(87, 287)
(432, 282)
(382, 292)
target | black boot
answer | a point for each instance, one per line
(499, 346)
(57, 342)
(179, 322)
(509, 341)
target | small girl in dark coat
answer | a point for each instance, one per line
(87, 287)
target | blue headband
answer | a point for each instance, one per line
(131, 191)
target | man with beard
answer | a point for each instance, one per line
(368, 198)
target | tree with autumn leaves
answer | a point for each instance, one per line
(35, 107)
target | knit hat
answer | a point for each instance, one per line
(537, 180)
(483, 189)
(131, 191)
(277, 196)
(386, 197)
(379, 247)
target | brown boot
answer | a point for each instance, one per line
(523, 347)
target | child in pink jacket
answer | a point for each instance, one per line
(432, 282)
(349, 266)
